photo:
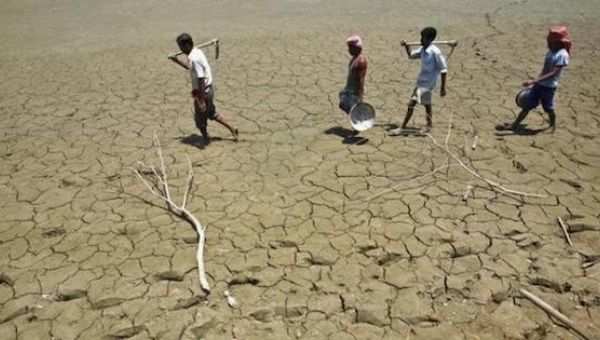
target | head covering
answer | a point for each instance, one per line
(354, 40)
(561, 34)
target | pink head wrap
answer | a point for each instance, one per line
(355, 41)
(560, 34)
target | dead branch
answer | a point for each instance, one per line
(550, 310)
(565, 230)
(159, 187)
(472, 172)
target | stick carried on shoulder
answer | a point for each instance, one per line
(205, 44)
(451, 43)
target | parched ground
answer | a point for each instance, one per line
(315, 235)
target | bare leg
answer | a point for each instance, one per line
(519, 119)
(205, 136)
(552, 118)
(409, 113)
(200, 119)
(221, 120)
(428, 117)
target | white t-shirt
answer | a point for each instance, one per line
(432, 64)
(559, 58)
(199, 68)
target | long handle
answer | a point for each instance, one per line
(452, 43)
(208, 43)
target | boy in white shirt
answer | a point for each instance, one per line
(433, 64)
(202, 89)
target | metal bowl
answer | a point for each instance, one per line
(522, 98)
(362, 116)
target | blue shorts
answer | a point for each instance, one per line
(542, 94)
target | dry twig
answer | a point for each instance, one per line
(565, 230)
(550, 310)
(160, 189)
(472, 172)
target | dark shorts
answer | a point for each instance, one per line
(541, 94)
(201, 117)
(347, 100)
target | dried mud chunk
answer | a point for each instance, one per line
(125, 333)
(413, 307)
(71, 294)
(187, 303)
(244, 280)
(512, 320)
(4, 278)
(262, 315)
(170, 276)
(200, 331)
(372, 314)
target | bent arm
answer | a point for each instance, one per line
(551, 74)
(179, 62)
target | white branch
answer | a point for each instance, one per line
(163, 178)
(188, 184)
(548, 309)
(565, 231)
(180, 211)
(474, 173)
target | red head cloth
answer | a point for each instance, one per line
(354, 40)
(561, 34)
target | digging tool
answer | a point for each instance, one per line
(451, 43)
(206, 44)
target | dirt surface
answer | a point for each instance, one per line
(316, 235)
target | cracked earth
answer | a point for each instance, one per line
(315, 236)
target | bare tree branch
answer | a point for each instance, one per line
(161, 190)
(472, 172)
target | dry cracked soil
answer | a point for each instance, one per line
(317, 236)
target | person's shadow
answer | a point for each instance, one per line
(408, 132)
(503, 130)
(348, 136)
(197, 141)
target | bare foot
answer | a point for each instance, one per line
(235, 133)
(396, 132)
(426, 129)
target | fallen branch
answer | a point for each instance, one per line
(550, 310)
(472, 172)
(565, 230)
(161, 189)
